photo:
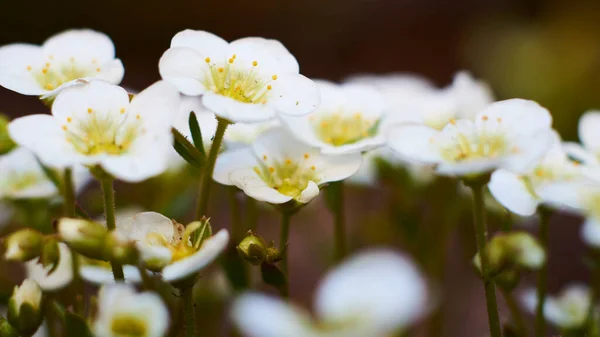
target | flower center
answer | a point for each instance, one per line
(53, 75)
(181, 245)
(341, 129)
(464, 148)
(128, 326)
(289, 178)
(16, 181)
(241, 82)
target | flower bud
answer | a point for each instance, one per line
(7, 330)
(25, 307)
(6, 143)
(121, 250)
(85, 237)
(253, 249)
(517, 250)
(50, 255)
(23, 245)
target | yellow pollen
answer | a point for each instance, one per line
(485, 118)
(49, 86)
(264, 102)
(69, 119)
(288, 162)
(220, 70)
(306, 156)
(89, 110)
(137, 116)
(98, 69)
(122, 111)
(64, 127)
(271, 169)
(499, 119)
(255, 63)
(231, 60)
(47, 65)
(269, 87)
(207, 60)
(453, 121)
(28, 67)
(45, 71)
(313, 168)
(264, 157)
(358, 115)
(274, 77)
(234, 56)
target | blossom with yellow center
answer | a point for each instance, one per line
(62, 59)
(278, 168)
(95, 124)
(248, 80)
(513, 134)
(588, 152)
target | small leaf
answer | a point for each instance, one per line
(196, 134)
(186, 150)
(272, 276)
(76, 326)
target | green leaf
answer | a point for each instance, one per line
(52, 175)
(76, 326)
(186, 150)
(272, 276)
(196, 134)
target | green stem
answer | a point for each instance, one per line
(251, 214)
(206, 178)
(109, 214)
(69, 194)
(478, 187)
(237, 231)
(540, 321)
(283, 242)
(337, 207)
(515, 313)
(189, 312)
(591, 323)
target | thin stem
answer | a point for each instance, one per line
(515, 313)
(481, 239)
(251, 214)
(237, 231)
(206, 178)
(68, 194)
(540, 321)
(189, 311)
(591, 323)
(283, 242)
(337, 207)
(109, 214)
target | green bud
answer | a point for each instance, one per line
(23, 245)
(120, 249)
(198, 231)
(6, 143)
(25, 308)
(253, 249)
(508, 279)
(50, 255)
(7, 330)
(515, 250)
(86, 237)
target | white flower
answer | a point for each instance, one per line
(512, 134)
(247, 80)
(59, 278)
(350, 119)
(164, 245)
(375, 293)
(519, 194)
(471, 95)
(95, 124)
(25, 308)
(568, 310)
(278, 168)
(588, 154)
(29, 292)
(244, 134)
(63, 58)
(123, 312)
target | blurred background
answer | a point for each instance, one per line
(548, 51)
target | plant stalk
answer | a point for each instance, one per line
(542, 281)
(109, 214)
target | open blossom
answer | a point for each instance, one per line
(278, 168)
(568, 310)
(59, 278)
(513, 134)
(247, 80)
(124, 312)
(519, 194)
(165, 246)
(350, 119)
(95, 124)
(375, 293)
(62, 59)
(588, 153)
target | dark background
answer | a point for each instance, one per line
(543, 50)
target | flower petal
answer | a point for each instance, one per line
(286, 61)
(138, 227)
(230, 161)
(21, 162)
(112, 71)
(589, 124)
(236, 111)
(511, 191)
(103, 275)
(294, 95)
(205, 43)
(184, 68)
(413, 142)
(529, 151)
(84, 45)
(62, 275)
(336, 168)
(247, 180)
(157, 105)
(517, 117)
(590, 231)
(309, 193)
(14, 73)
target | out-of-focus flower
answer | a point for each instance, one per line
(359, 298)
(278, 168)
(95, 124)
(248, 80)
(513, 134)
(25, 307)
(588, 153)
(243, 134)
(49, 278)
(518, 192)
(568, 310)
(6, 144)
(514, 249)
(165, 246)
(123, 312)
(350, 119)
(62, 59)
(85, 237)
(24, 244)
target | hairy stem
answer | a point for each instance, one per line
(109, 214)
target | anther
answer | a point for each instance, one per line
(207, 60)
(452, 121)
(288, 162)
(220, 70)
(89, 110)
(254, 63)
(122, 111)
(231, 60)
(271, 169)
(45, 71)
(28, 67)
(274, 77)
(306, 156)
(485, 118)
(269, 87)
(69, 119)
(264, 157)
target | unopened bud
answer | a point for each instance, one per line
(23, 245)
(50, 255)
(512, 250)
(25, 308)
(121, 250)
(7, 330)
(6, 143)
(85, 237)
(253, 249)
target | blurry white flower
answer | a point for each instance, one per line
(513, 134)
(588, 154)
(63, 58)
(24, 244)
(278, 168)
(375, 293)
(471, 95)
(26, 299)
(513, 249)
(568, 310)
(350, 119)
(59, 278)
(95, 124)
(519, 194)
(123, 312)
(243, 134)
(165, 246)
(247, 80)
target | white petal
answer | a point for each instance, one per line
(103, 275)
(84, 45)
(364, 145)
(529, 300)
(209, 251)
(184, 68)
(230, 161)
(18, 163)
(286, 61)
(529, 151)
(473, 96)
(301, 128)
(414, 142)
(560, 194)
(382, 304)
(205, 43)
(106, 101)
(237, 111)
(247, 180)
(516, 117)
(336, 168)
(241, 134)
(577, 152)
(279, 146)
(294, 95)
(112, 71)
(138, 227)
(590, 231)
(511, 191)
(589, 125)
(158, 105)
(14, 74)
(467, 168)
(264, 316)
(61, 277)
(309, 193)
